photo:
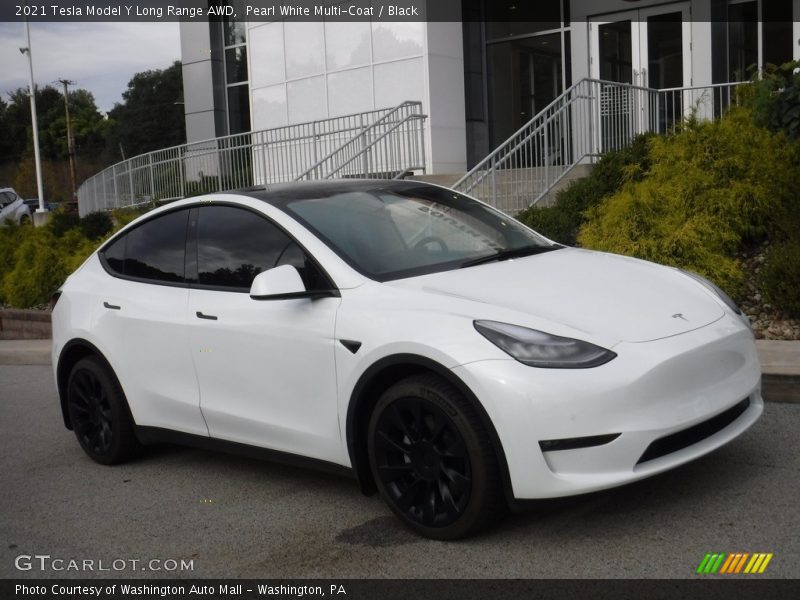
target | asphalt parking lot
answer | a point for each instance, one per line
(235, 517)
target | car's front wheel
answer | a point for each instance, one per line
(432, 459)
(99, 413)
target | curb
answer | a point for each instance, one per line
(781, 388)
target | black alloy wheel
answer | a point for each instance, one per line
(99, 413)
(432, 460)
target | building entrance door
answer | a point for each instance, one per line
(645, 48)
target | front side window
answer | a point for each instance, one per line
(155, 250)
(234, 245)
(391, 233)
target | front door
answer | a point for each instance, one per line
(647, 49)
(265, 367)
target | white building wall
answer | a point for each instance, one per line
(305, 71)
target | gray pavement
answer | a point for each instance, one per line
(236, 517)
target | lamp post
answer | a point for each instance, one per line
(34, 123)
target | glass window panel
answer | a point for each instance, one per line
(777, 31)
(347, 43)
(397, 40)
(350, 91)
(156, 249)
(238, 109)
(518, 17)
(305, 51)
(234, 29)
(235, 245)
(665, 50)
(236, 64)
(615, 52)
(115, 255)
(396, 82)
(306, 99)
(742, 40)
(524, 77)
(269, 107)
(267, 64)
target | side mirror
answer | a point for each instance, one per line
(284, 283)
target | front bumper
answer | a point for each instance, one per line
(650, 391)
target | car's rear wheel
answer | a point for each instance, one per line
(99, 413)
(432, 459)
(24, 220)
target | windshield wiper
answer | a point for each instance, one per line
(510, 253)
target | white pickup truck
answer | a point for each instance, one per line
(12, 207)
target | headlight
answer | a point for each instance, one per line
(540, 349)
(716, 289)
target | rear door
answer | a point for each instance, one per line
(142, 317)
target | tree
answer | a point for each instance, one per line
(88, 125)
(151, 116)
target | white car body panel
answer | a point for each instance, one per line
(266, 371)
(273, 373)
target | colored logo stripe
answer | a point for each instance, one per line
(734, 563)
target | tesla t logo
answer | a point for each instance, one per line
(680, 316)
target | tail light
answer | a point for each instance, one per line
(54, 299)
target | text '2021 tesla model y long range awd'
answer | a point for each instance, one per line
(445, 354)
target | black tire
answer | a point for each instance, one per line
(432, 459)
(24, 220)
(99, 413)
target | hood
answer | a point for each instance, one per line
(603, 295)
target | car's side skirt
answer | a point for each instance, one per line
(158, 435)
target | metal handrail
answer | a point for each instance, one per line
(259, 157)
(363, 131)
(589, 118)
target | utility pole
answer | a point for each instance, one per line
(70, 140)
(34, 122)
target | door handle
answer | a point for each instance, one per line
(111, 306)
(200, 315)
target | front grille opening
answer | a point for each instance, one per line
(696, 433)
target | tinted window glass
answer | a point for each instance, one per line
(115, 255)
(393, 233)
(235, 245)
(156, 249)
(309, 273)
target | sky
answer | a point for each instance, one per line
(99, 57)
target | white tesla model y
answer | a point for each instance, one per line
(443, 353)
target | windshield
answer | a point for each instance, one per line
(390, 234)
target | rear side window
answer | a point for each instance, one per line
(234, 245)
(155, 250)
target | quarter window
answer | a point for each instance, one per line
(154, 250)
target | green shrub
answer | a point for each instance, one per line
(779, 278)
(34, 262)
(774, 96)
(96, 225)
(39, 270)
(712, 188)
(61, 222)
(123, 216)
(562, 221)
(11, 236)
